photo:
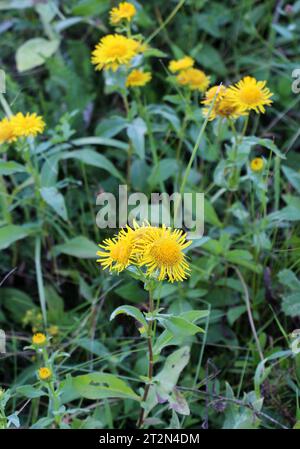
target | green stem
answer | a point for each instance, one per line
(5, 105)
(150, 365)
(165, 23)
(39, 278)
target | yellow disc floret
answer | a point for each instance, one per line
(163, 253)
(45, 373)
(257, 164)
(39, 339)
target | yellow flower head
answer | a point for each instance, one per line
(250, 94)
(223, 106)
(7, 131)
(257, 164)
(39, 339)
(45, 373)
(181, 64)
(53, 330)
(138, 78)
(27, 125)
(118, 252)
(163, 253)
(124, 11)
(115, 50)
(195, 79)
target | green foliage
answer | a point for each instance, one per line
(212, 365)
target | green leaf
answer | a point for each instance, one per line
(11, 167)
(210, 215)
(179, 326)
(266, 143)
(162, 171)
(55, 200)
(12, 233)
(93, 346)
(291, 304)
(17, 302)
(166, 380)
(131, 311)
(91, 157)
(103, 141)
(101, 385)
(17, 4)
(112, 126)
(34, 53)
(234, 313)
(289, 279)
(136, 133)
(243, 258)
(79, 246)
(90, 7)
(292, 176)
(30, 392)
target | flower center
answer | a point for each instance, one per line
(166, 252)
(250, 95)
(116, 51)
(121, 253)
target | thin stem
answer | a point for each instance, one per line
(39, 278)
(249, 311)
(5, 105)
(165, 23)
(151, 363)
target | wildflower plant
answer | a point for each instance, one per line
(159, 330)
(151, 255)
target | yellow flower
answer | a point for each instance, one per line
(250, 94)
(27, 125)
(163, 254)
(195, 79)
(138, 78)
(45, 373)
(118, 252)
(115, 50)
(257, 164)
(39, 339)
(53, 330)
(7, 131)
(124, 11)
(181, 64)
(223, 106)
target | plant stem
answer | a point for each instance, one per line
(39, 278)
(250, 317)
(151, 363)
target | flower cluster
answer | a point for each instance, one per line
(158, 250)
(20, 125)
(187, 75)
(123, 12)
(115, 51)
(234, 101)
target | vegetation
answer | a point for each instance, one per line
(153, 329)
